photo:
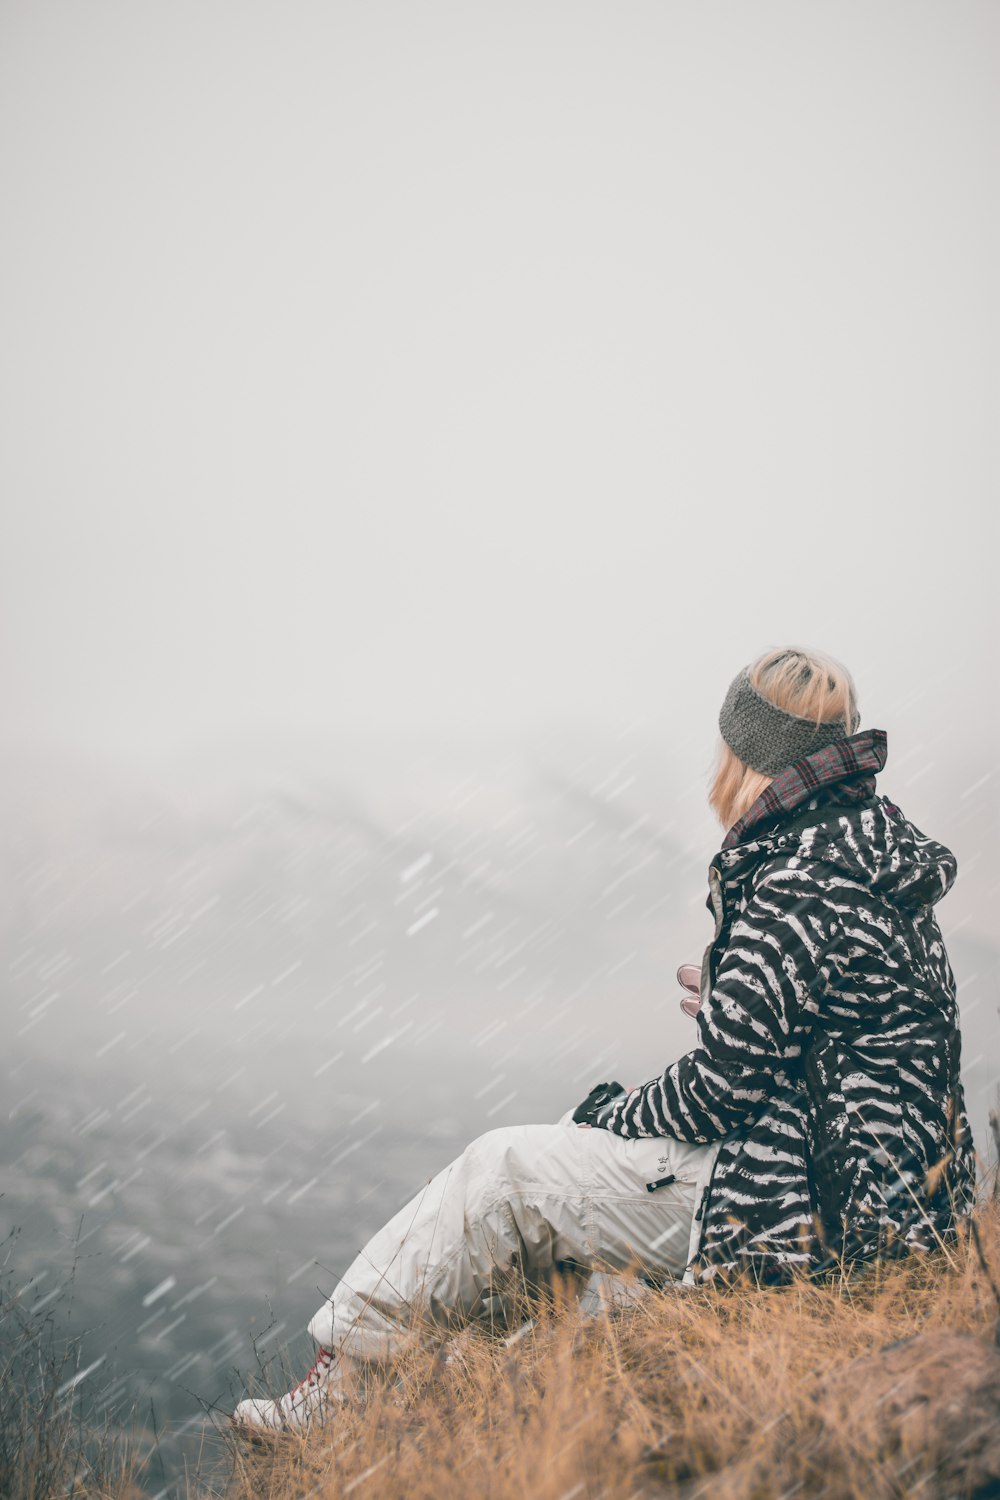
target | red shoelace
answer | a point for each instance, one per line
(312, 1377)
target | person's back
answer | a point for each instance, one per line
(874, 1098)
(883, 1070)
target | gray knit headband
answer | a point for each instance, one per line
(768, 738)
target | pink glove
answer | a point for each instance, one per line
(689, 976)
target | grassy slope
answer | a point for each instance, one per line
(687, 1392)
(719, 1394)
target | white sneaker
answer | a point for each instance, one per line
(312, 1401)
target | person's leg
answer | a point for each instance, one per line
(534, 1195)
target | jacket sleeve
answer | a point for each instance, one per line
(752, 1026)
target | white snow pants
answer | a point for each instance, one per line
(534, 1194)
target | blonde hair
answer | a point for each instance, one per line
(808, 683)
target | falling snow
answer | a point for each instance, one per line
(246, 1028)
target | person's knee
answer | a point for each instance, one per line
(492, 1150)
(516, 1154)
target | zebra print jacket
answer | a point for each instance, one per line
(828, 1055)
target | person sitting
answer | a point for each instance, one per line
(818, 1122)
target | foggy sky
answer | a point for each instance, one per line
(380, 369)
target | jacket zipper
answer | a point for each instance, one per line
(715, 892)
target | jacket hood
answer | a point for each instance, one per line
(875, 844)
(902, 863)
(844, 824)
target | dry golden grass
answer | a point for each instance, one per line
(693, 1391)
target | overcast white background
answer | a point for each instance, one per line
(378, 369)
(413, 416)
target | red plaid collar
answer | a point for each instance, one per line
(852, 763)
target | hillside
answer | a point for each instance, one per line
(883, 1385)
